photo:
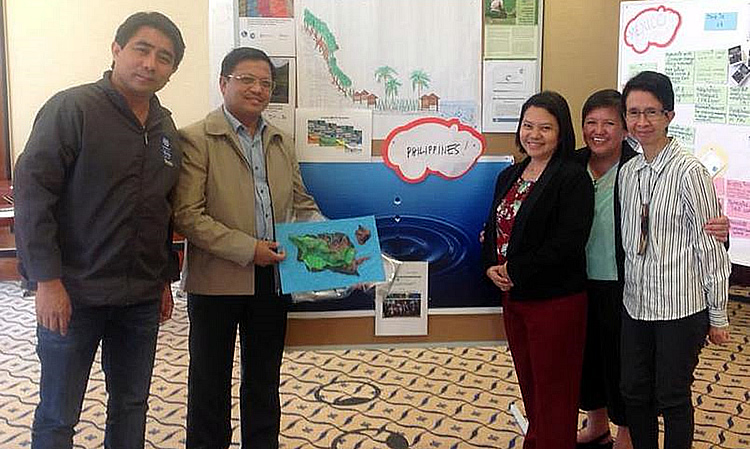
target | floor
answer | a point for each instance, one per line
(395, 398)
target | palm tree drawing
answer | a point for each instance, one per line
(391, 87)
(419, 80)
(383, 74)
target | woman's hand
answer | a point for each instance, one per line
(718, 228)
(498, 274)
(718, 335)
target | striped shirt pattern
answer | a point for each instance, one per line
(684, 270)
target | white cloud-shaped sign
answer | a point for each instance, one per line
(428, 145)
(655, 27)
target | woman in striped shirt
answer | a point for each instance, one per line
(676, 276)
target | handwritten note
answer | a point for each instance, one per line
(680, 67)
(684, 93)
(634, 69)
(652, 27)
(738, 106)
(737, 207)
(711, 104)
(738, 199)
(739, 229)
(720, 21)
(686, 135)
(432, 145)
(711, 67)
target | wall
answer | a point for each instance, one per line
(54, 44)
(580, 49)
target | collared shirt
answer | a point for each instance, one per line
(601, 262)
(252, 147)
(683, 270)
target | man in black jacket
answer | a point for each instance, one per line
(93, 228)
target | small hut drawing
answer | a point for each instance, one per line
(429, 102)
(359, 97)
(372, 100)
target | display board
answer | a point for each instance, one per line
(409, 73)
(512, 60)
(703, 48)
(437, 221)
(401, 59)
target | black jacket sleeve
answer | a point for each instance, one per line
(171, 271)
(38, 183)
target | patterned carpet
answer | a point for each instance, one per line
(390, 398)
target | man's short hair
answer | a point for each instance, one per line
(657, 84)
(606, 98)
(240, 54)
(155, 20)
(555, 104)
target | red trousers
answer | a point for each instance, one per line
(546, 338)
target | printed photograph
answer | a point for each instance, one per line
(402, 305)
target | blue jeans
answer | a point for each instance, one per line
(128, 336)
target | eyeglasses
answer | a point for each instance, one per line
(649, 114)
(250, 81)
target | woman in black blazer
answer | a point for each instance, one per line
(534, 252)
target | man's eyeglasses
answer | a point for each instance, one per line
(649, 114)
(250, 81)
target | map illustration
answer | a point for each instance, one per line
(328, 251)
(329, 254)
(401, 59)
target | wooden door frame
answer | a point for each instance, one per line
(5, 157)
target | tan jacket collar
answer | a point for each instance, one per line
(217, 124)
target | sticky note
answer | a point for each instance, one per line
(720, 21)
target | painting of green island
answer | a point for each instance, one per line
(328, 251)
(329, 254)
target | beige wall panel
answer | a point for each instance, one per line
(580, 50)
(55, 44)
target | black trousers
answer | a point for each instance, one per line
(658, 360)
(214, 320)
(600, 382)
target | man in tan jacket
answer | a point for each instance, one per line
(239, 176)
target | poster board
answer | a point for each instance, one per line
(511, 70)
(402, 59)
(703, 48)
(437, 220)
